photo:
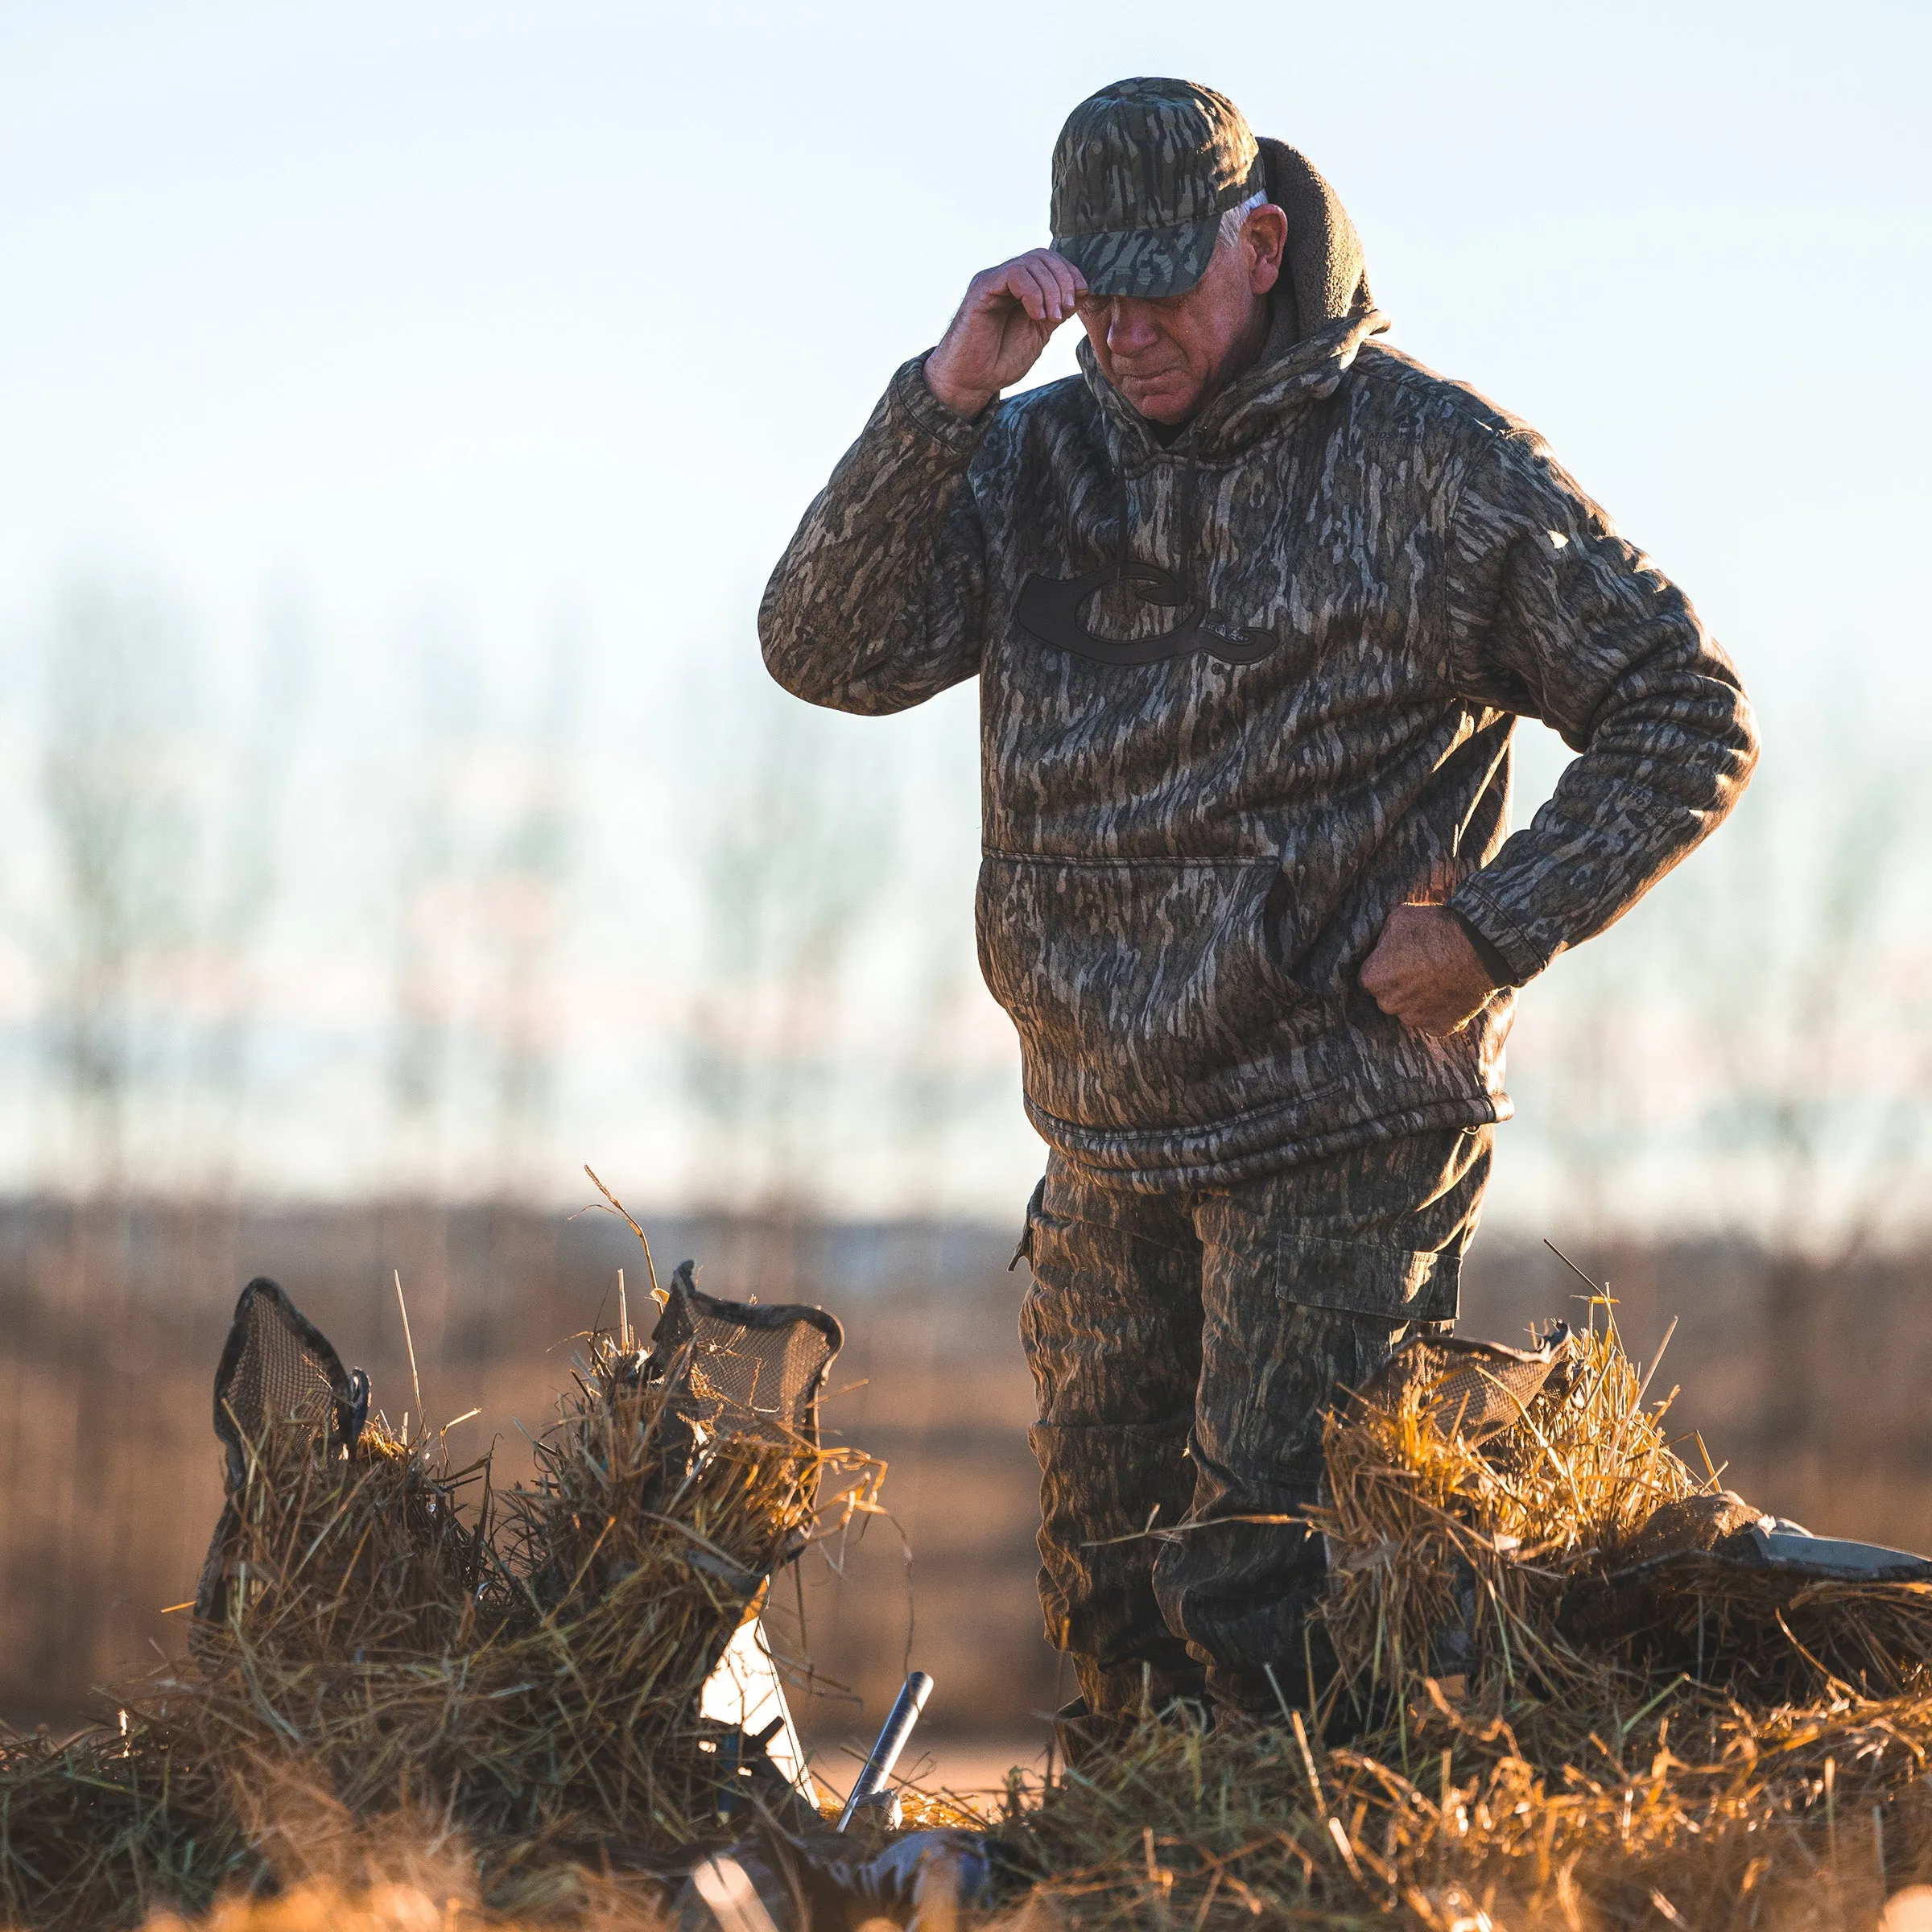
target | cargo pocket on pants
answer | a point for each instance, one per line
(1358, 1297)
(1397, 1286)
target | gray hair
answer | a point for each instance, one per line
(1234, 219)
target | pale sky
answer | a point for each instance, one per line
(498, 301)
(503, 309)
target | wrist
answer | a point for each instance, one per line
(957, 399)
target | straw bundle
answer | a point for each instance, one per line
(1492, 1560)
(1542, 1782)
(522, 1676)
(1436, 1538)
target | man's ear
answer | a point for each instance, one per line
(1263, 244)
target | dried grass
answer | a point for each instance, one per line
(1550, 1784)
(510, 1683)
(508, 1704)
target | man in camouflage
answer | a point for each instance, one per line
(1254, 603)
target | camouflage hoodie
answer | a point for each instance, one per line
(1208, 776)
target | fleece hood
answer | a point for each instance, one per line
(1327, 274)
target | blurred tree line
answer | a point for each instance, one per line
(172, 834)
(413, 936)
(409, 933)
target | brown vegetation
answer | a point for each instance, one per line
(518, 1678)
(1549, 1782)
(110, 1325)
(411, 1721)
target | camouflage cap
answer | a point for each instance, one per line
(1142, 173)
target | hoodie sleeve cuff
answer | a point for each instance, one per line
(914, 400)
(1507, 955)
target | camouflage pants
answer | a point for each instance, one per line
(1183, 1346)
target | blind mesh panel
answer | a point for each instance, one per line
(278, 1371)
(282, 1372)
(741, 1369)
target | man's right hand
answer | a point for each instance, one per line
(1007, 319)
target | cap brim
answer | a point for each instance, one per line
(1150, 262)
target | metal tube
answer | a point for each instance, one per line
(891, 1741)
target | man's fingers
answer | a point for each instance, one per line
(1061, 267)
(1373, 972)
(1041, 298)
(1017, 286)
(1072, 284)
(1389, 1002)
(998, 286)
(1046, 286)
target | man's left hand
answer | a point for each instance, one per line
(1424, 973)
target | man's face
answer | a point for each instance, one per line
(1169, 356)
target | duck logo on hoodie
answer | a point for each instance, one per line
(1048, 609)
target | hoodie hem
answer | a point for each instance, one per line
(1108, 1163)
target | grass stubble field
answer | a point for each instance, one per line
(407, 1719)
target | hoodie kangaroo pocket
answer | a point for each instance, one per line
(1143, 990)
